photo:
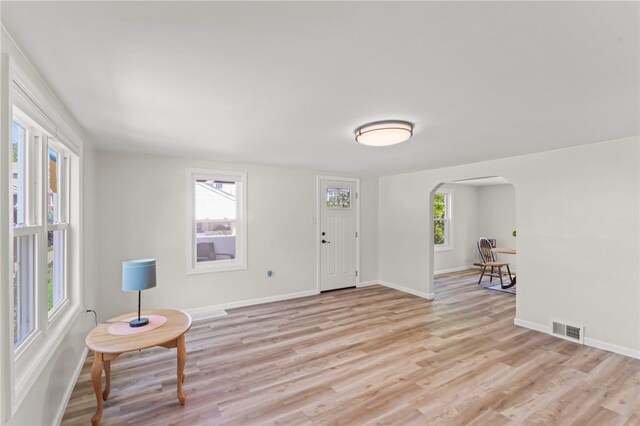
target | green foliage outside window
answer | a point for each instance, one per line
(439, 216)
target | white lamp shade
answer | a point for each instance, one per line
(139, 274)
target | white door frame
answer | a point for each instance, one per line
(318, 230)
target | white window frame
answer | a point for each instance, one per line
(22, 366)
(448, 229)
(32, 226)
(240, 261)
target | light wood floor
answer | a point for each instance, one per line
(371, 356)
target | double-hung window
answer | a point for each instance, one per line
(216, 220)
(43, 239)
(442, 221)
(39, 197)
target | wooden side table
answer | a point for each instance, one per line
(106, 347)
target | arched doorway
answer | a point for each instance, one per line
(462, 211)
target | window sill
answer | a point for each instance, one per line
(57, 311)
(440, 248)
(218, 266)
(28, 377)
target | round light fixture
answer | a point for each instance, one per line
(384, 133)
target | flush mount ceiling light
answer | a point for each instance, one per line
(384, 133)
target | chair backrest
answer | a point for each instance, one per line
(484, 247)
(207, 250)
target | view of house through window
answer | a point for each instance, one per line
(216, 220)
(441, 203)
(216, 217)
(57, 224)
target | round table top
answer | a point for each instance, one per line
(100, 340)
(503, 250)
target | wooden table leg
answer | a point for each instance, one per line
(107, 376)
(96, 378)
(182, 359)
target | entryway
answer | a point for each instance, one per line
(337, 232)
(474, 224)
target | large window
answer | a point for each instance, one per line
(42, 301)
(216, 221)
(39, 227)
(442, 220)
(40, 211)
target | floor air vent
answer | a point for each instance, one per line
(572, 332)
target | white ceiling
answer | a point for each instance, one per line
(287, 83)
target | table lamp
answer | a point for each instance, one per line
(138, 275)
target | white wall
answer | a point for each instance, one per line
(369, 230)
(578, 213)
(497, 217)
(464, 229)
(142, 213)
(47, 397)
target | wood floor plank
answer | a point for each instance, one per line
(371, 356)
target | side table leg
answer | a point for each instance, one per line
(182, 359)
(107, 376)
(96, 378)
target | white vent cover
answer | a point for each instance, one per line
(568, 331)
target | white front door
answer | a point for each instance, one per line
(337, 234)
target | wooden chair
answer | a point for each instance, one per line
(489, 261)
(207, 252)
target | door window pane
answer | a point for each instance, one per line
(18, 187)
(55, 267)
(23, 288)
(216, 214)
(338, 198)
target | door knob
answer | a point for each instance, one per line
(325, 242)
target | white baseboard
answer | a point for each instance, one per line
(367, 283)
(531, 325)
(69, 390)
(610, 347)
(398, 287)
(458, 269)
(205, 312)
(249, 302)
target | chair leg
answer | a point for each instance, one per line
(491, 276)
(482, 274)
(512, 280)
(500, 274)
